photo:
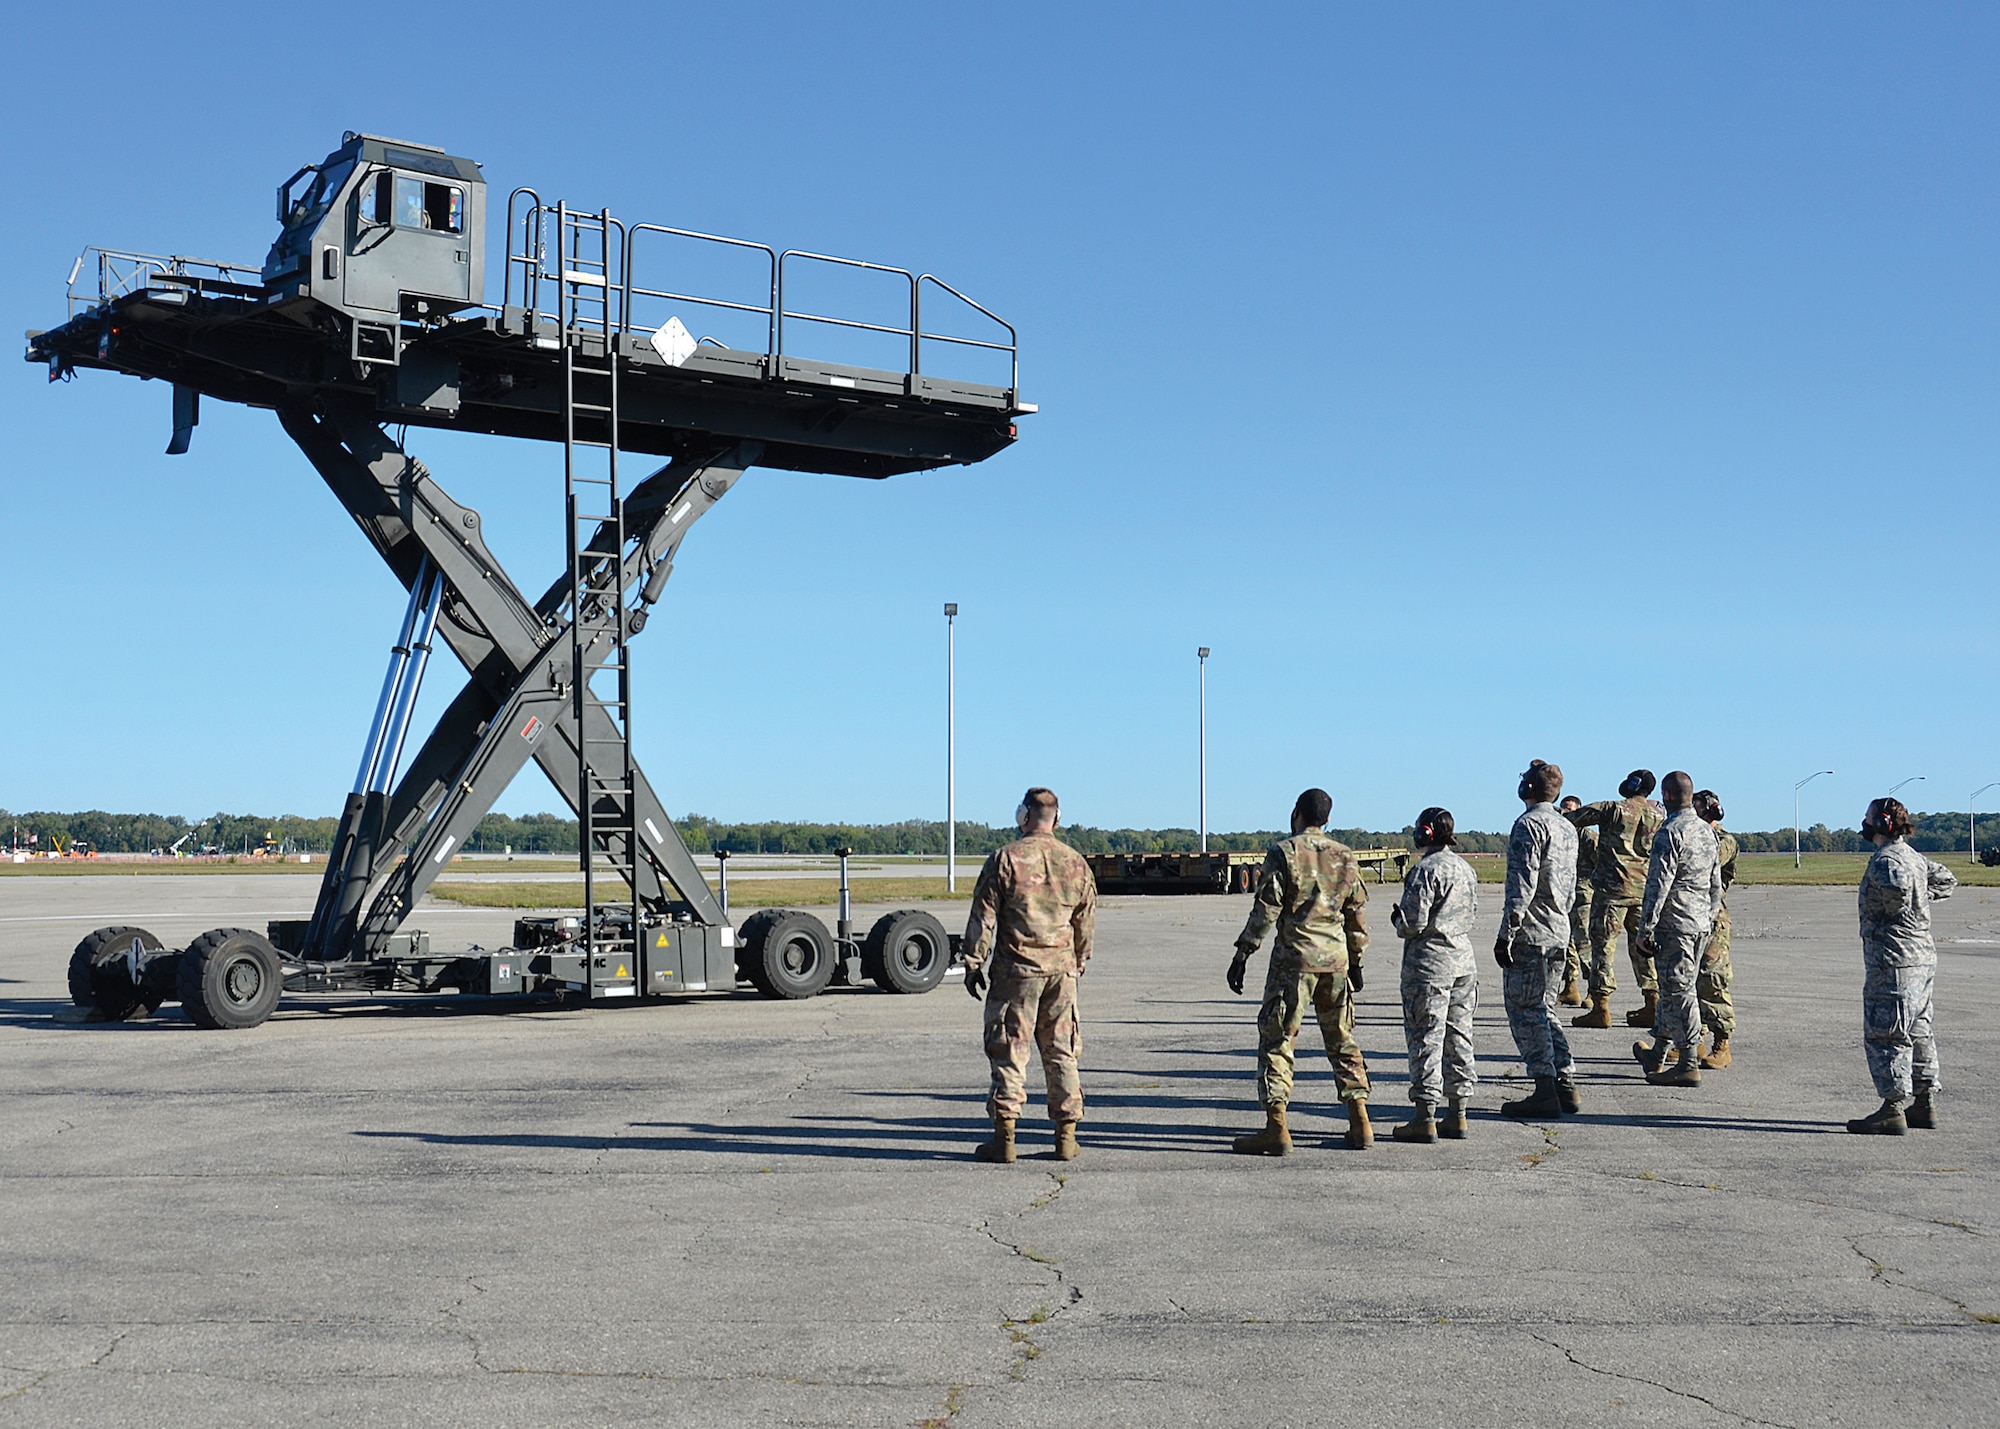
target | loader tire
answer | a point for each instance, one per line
(94, 981)
(750, 939)
(791, 957)
(230, 978)
(907, 951)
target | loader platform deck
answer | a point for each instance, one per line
(499, 371)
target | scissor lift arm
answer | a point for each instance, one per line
(518, 658)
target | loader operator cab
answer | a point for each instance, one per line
(381, 230)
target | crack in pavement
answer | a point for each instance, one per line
(1550, 1147)
(48, 1374)
(1782, 1199)
(1879, 1273)
(1021, 1332)
(1570, 1355)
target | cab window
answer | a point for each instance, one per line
(438, 207)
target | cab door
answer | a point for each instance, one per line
(407, 236)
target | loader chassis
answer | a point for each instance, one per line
(369, 312)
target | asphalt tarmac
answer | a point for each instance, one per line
(731, 1211)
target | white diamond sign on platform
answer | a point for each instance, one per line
(674, 342)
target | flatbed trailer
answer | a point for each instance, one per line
(369, 313)
(1216, 872)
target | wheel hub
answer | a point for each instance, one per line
(243, 980)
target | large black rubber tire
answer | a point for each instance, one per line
(791, 957)
(106, 990)
(906, 951)
(750, 940)
(230, 978)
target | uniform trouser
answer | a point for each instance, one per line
(1902, 1052)
(1024, 1010)
(1577, 968)
(1677, 955)
(1608, 912)
(1287, 991)
(1711, 983)
(1532, 988)
(1437, 1027)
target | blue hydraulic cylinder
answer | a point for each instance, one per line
(418, 655)
(399, 659)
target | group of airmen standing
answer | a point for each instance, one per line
(1576, 875)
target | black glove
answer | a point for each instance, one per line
(1236, 967)
(1503, 951)
(1396, 916)
(1354, 976)
(975, 981)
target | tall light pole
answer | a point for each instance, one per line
(1913, 779)
(1972, 822)
(1201, 654)
(1797, 861)
(951, 746)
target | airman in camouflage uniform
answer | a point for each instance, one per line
(1440, 979)
(1310, 888)
(1534, 942)
(1624, 844)
(1900, 963)
(1576, 970)
(1683, 890)
(1034, 910)
(1711, 985)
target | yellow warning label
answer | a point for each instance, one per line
(661, 941)
(621, 971)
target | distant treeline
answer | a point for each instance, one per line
(550, 833)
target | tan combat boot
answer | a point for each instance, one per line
(1887, 1120)
(1717, 1055)
(1066, 1149)
(1360, 1135)
(1652, 1055)
(1599, 1014)
(1685, 1072)
(1921, 1113)
(1452, 1126)
(1000, 1149)
(1274, 1140)
(1642, 1016)
(1422, 1125)
(1572, 995)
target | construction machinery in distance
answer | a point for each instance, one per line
(369, 312)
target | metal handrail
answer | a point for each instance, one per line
(632, 290)
(571, 222)
(531, 261)
(1012, 347)
(532, 255)
(120, 273)
(910, 332)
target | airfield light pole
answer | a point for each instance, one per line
(1797, 860)
(1913, 779)
(1972, 822)
(951, 746)
(1201, 654)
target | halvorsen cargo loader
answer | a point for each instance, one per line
(370, 313)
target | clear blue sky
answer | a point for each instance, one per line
(1608, 384)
